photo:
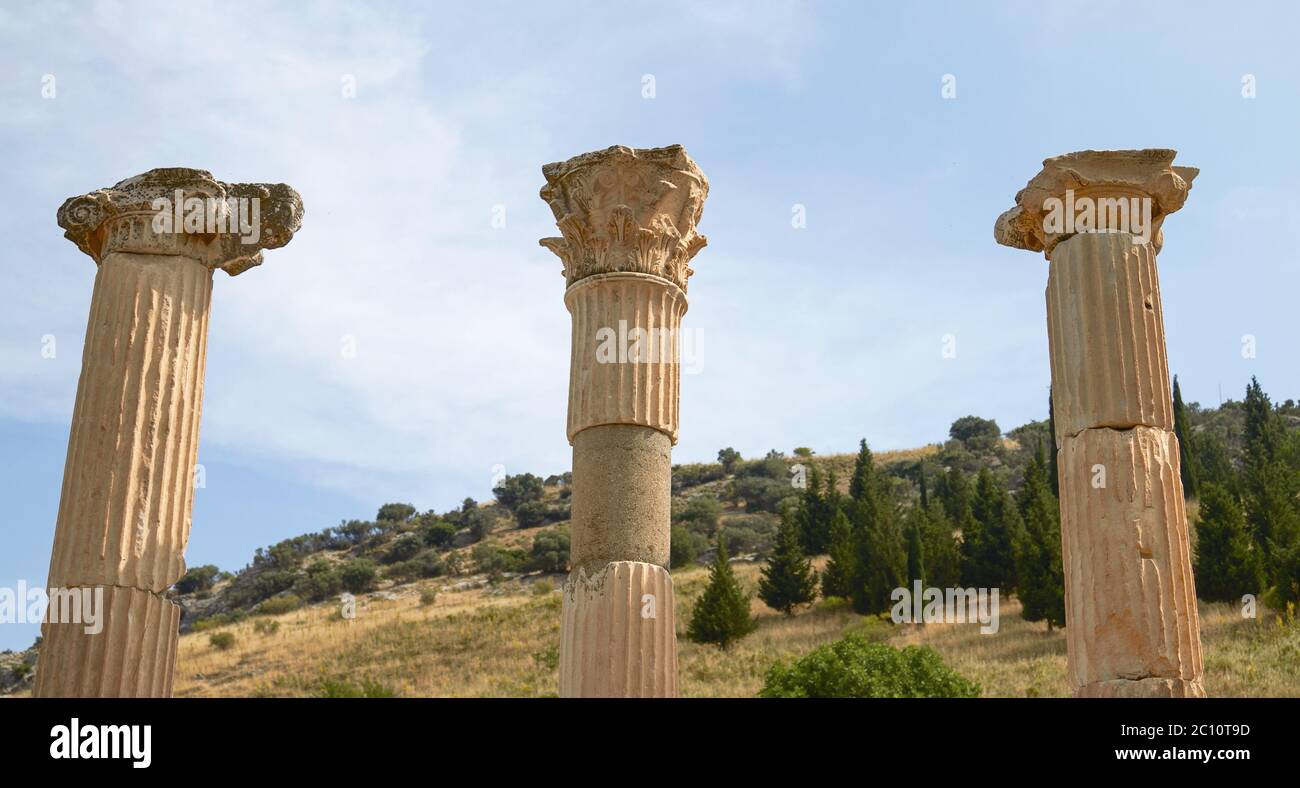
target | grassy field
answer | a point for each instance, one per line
(503, 642)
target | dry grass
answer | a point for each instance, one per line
(504, 643)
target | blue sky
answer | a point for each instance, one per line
(814, 336)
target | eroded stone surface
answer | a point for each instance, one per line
(133, 656)
(1115, 173)
(622, 496)
(1106, 335)
(618, 637)
(1132, 628)
(625, 365)
(122, 218)
(627, 209)
(128, 481)
(1130, 599)
(628, 219)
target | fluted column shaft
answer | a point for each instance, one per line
(124, 513)
(1131, 622)
(128, 481)
(628, 218)
(1132, 626)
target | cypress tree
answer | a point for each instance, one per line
(1053, 468)
(1038, 554)
(1270, 478)
(941, 550)
(809, 516)
(788, 579)
(925, 495)
(879, 557)
(837, 577)
(722, 614)
(991, 557)
(1187, 460)
(915, 547)
(1226, 559)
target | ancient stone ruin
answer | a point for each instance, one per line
(128, 489)
(1130, 601)
(628, 219)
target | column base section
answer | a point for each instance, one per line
(618, 636)
(123, 646)
(1143, 688)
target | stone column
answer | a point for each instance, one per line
(628, 217)
(1132, 628)
(128, 482)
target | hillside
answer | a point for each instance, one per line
(465, 602)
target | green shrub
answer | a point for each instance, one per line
(550, 551)
(339, 688)
(278, 605)
(222, 641)
(685, 546)
(858, 668)
(404, 548)
(358, 575)
(531, 513)
(200, 578)
(428, 596)
(438, 533)
(266, 626)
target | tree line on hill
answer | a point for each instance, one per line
(1004, 532)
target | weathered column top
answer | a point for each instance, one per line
(626, 209)
(1102, 178)
(184, 212)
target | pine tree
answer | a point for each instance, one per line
(1038, 554)
(1227, 560)
(1186, 457)
(941, 549)
(722, 614)
(955, 495)
(879, 557)
(925, 494)
(1270, 480)
(788, 579)
(837, 577)
(992, 555)
(916, 522)
(812, 533)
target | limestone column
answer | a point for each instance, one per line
(628, 219)
(128, 491)
(1132, 628)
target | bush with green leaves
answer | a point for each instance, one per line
(358, 575)
(856, 667)
(550, 551)
(496, 560)
(200, 578)
(321, 581)
(437, 533)
(531, 513)
(700, 514)
(428, 596)
(404, 548)
(685, 546)
(279, 605)
(751, 533)
(514, 491)
(395, 513)
(222, 641)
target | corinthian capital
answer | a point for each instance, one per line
(626, 209)
(184, 212)
(1099, 181)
